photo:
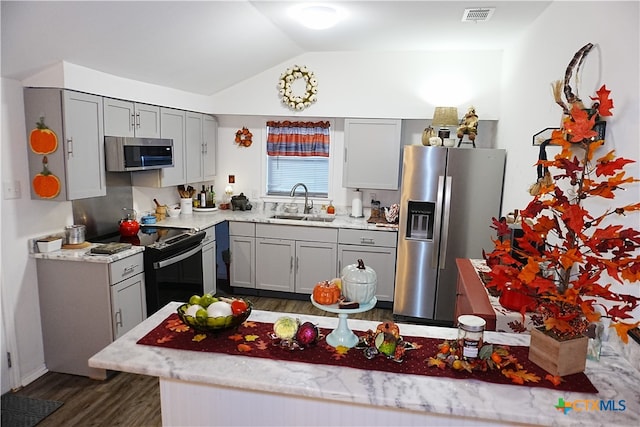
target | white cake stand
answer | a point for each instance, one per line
(342, 335)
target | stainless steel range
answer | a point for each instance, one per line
(172, 263)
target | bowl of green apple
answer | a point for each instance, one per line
(208, 313)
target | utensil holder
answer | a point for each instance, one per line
(186, 206)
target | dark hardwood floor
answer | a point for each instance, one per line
(134, 400)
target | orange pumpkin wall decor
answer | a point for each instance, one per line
(42, 139)
(45, 184)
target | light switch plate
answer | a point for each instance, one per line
(11, 190)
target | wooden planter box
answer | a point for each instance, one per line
(558, 357)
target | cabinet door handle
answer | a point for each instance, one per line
(138, 120)
(367, 241)
(119, 318)
(133, 120)
(291, 265)
(129, 270)
(69, 147)
(297, 264)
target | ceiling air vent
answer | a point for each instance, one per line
(478, 14)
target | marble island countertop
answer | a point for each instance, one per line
(489, 403)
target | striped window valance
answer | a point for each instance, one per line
(301, 139)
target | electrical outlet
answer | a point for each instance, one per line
(11, 190)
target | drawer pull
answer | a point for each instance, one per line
(367, 240)
(130, 269)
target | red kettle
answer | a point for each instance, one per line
(129, 227)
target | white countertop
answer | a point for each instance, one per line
(613, 376)
(85, 254)
(202, 220)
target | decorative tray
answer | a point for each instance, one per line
(205, 209)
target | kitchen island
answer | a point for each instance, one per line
(216, 389)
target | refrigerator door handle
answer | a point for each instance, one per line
(445, 226)
(437, 234)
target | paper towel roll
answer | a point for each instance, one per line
(356, 204)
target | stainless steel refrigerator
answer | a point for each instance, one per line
(448, 197)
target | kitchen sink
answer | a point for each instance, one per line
(304, 217)
(289, 216)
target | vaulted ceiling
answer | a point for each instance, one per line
(206, 46)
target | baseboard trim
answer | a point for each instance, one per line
(34, 375)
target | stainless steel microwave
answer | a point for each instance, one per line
(125, 154)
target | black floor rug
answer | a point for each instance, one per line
(21, 411)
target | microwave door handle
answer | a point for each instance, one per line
(167, 262)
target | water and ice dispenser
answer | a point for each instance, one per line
(420, 220)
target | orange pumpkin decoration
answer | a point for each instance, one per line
(45, 184)
(42, 139)
(326, 293)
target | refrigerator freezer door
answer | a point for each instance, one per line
(475, 181)
(420, 213)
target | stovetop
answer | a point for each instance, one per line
(154, 237)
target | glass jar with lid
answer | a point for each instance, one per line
(470, 335)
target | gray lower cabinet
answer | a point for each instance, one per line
(242, 245)
(293, 258)
(84, 306)
(209, 261)
(377, 249)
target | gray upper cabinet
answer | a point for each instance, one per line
(201, 147)
(372, 153)
(173, 125)
(209, 145)
(73, 168)
(126, 118)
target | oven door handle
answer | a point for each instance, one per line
(164, 263)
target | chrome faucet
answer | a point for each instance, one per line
(307, 208)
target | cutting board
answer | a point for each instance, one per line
(76, 245)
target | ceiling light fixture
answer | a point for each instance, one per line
(317, 16)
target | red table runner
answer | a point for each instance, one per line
(252, 339)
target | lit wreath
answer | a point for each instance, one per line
(291, 100)
(243, 137)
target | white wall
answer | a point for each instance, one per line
(378, 84)
(542, 56)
